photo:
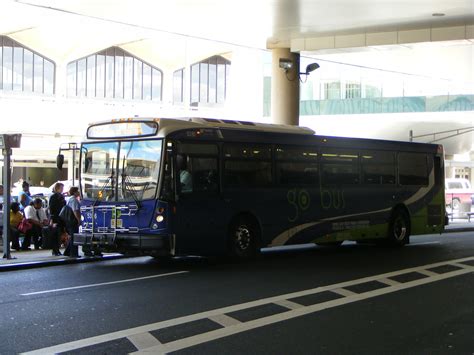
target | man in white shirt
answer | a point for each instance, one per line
(36, 215)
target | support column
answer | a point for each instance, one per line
(285, 88)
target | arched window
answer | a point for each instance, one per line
(116, 74)
(22, 69)
(209, 80)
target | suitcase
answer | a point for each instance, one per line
(48, 235)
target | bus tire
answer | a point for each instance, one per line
(399, 228)
(243, 238)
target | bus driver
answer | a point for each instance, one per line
(185, 177)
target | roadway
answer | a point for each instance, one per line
(354, 299)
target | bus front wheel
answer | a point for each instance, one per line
(243, 238)
(399, 228)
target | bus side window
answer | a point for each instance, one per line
(197, 174)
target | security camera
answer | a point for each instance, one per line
(286, 64)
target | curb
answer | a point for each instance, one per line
(56, 262)
(458, 230)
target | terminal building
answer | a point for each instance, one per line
(57, 76)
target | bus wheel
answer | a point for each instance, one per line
(399, 228)
(243, 238)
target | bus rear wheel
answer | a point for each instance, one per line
(243, 238)
(399, 228)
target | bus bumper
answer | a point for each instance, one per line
(145, 243)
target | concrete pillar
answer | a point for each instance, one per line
(449, 171)
(285, 88)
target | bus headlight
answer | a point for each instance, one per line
(160, 218)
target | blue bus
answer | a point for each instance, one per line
(165, 187)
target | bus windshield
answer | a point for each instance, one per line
(121, 171)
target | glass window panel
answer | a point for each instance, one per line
(137, 79)
(100, 72)
(212, 83)
(7, 68)
(146, 82)
(297, 173)
(195, 83)
(38, 73)
(109, 75)
(81, 77)
(17, 68)
(119, 77)
(128, 78)
(204, 67)
(71, 79)
(99, 171)
(156, 85)
(28, 71)
(220, 83)
(251, 173)
(198, 174)
(139, 169)
(48, 77)
(296, 153)
(240, 151)
(378, 167)
(178, 85)
(413, 169)
(91, 65)
(339, 174)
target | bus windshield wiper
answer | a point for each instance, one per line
(110, 179)
(128, 186)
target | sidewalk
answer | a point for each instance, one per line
(40, 258)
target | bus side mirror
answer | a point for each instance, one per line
(60, 161)
(87, 163)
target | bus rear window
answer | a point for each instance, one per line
(413, 169)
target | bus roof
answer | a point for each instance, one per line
(170, 125)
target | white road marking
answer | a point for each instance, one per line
(343, 292)
(244, 326)
(424, 243)
(258, 323)
(288, 304)
(389, 282)
(224, 320)
(144, 341)
(427, 273)
(103, 283)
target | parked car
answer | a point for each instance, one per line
(458, 191)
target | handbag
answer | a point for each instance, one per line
(24, 226)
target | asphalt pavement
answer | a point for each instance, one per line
(352, 299)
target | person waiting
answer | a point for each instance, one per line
(24, 197)
(15, 218)
(72, 226)
(36, 215)
(56, 203)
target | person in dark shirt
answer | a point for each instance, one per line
(56, 203)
